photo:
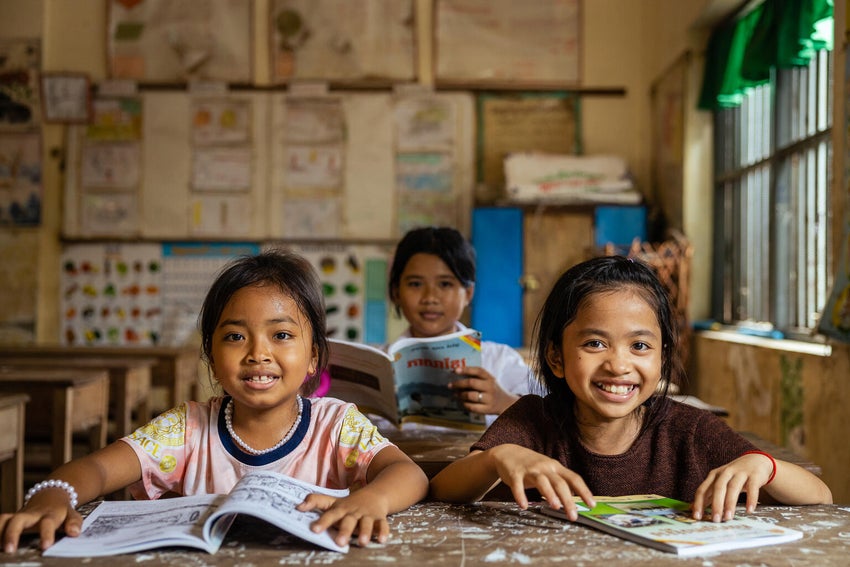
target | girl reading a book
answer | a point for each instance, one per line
(432, 280)
(263, 331)
(606, 354)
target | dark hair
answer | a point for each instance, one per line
(289, 273)
(446, 243)
(571, 291)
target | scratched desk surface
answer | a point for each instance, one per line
(490, 534)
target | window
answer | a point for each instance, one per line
(772, 190)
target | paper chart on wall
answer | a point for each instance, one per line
(20, 179)
(111, 294)
(311, 218)
(221, 168)
(115, 165)
(20, 63)
(109, 213)
(220, 121)
(342, 40)
(174, 40)
(425, 123)
(219, 215)
(505, 40)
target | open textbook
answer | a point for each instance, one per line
(201, 521)
(667, 525)
(410, 382)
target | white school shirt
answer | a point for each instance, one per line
(506, 365)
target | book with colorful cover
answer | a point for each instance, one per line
(409, 383)
(667, 524)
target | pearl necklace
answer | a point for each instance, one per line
(228, 422)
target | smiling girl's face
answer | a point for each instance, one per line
(262, 348)
(610, 356)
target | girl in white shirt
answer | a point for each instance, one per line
(432, 280)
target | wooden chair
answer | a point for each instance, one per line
(12, 415)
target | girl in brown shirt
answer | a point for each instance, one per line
(606, 354)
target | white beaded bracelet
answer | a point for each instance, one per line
(52, 483)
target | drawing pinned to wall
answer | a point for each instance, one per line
(342, 40)
(314, 120)
(501, 41)
(316, 218)
(425, 123)
(115, 165)
(20, 62)
(111, 294)
(309, 167)
(20, 179)
(220, 121)
(176, 40)
(19, 282)
(221, 168)
(219, 215)
(109, 213)
(426, 172)
(109, 168)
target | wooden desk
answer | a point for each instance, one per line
(12, 412)
(489, 534)
(176, 368)
(129, 383)
(434, 448)
(62, 402)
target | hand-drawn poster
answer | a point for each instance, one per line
(111, 294)
(342, 40)
(504, 41)
(162, 41)
(668, 141)
(312, 218)
(115, 120)
(527, 122)
(425, 123)
(314, 121)
(219, 215)
(114, 165)
(220, 121)
(221, 168)
(109, 213)
(66, 97)
(313, 167)
(20, 179)
(20, 62)
(19, 282)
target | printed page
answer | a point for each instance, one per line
(117, 527)
(363, 375)
(424, 368)
(273, 497)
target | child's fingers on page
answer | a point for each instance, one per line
(365, 527)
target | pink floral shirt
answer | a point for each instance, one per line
(187, 450)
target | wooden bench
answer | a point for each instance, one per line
(129, 388)
(175, 371)
(62, 402)
(12, 413)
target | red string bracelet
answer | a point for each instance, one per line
(772, 461)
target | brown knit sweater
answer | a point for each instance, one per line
(670, 459)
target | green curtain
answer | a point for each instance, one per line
(776, 34)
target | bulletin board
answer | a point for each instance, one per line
(668, 97)
(523, 122)
(166, 41)
(255, 165)
(347, 40)
(505, 41)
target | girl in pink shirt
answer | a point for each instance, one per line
(263, 330)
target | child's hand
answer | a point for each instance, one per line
(521, 468)
(363, 514)
(480, 392)
(722, 487)
(47, 513)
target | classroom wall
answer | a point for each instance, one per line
(627, 43)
